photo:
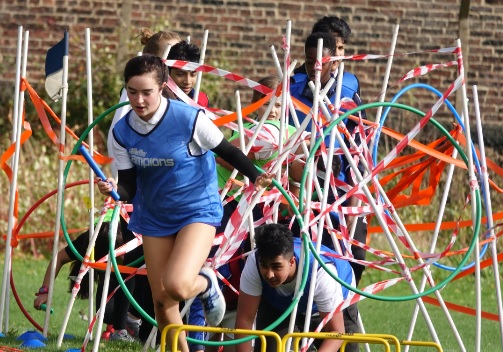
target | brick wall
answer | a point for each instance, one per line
(241, 32)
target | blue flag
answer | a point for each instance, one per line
(54, 68)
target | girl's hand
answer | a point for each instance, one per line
(263, 180)
(41, 299)
(107, 186)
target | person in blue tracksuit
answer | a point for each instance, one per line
(341, 32)
(161, 153)
(334, 33)
(268, 283)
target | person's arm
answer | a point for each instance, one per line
(126, 186)
(222, 162)
(336, 324)
(245, 316)
(61, 259)
(244, 165)
(208, 137)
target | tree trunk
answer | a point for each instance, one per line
(125, 25)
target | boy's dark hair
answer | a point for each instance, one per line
(273, 240)
(140, 65)
(333, 25)
(101, 248)
(184, 51)
(328, 41)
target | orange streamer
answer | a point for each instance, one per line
(461, 309)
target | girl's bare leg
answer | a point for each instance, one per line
(173, 264)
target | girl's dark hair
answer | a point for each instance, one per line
(140, 65)
(328, 41)
(273, 240)
(271, 81)
(100, 250)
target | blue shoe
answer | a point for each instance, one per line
(212, 299)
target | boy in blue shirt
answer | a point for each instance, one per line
(333, 45)
(268, 283)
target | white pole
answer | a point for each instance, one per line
(362, 329)
(150, 339)
(17, 84)
(114, 223)
(363, 180)
(301, 129)
(490, 221)
(276, 61)
(473, 186)
(243, 149)
(166, 52)
(90, 119)
(401, 227)
(59, 204)
(82, 271)
(103, 303)
(250, 143)
(387, 73)
(381, 99)
(433, 245)
(16, 137)
(282, 116)
(326, 189)
(201, 61)
(379, 109)
(20, 120)
(384, 226)
(310, 177)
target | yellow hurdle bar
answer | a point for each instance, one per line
(261, 334)
(336, 336)
(383, 339)
(423, 344)
(392, 339)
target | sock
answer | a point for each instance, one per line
(207, 287)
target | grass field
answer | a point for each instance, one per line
(395, 317)
(378, 316)
(28, 275)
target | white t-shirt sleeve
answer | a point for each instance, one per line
(119, 114)
(328, 292)
(206, 134)
(122, 159)
(250, 282)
